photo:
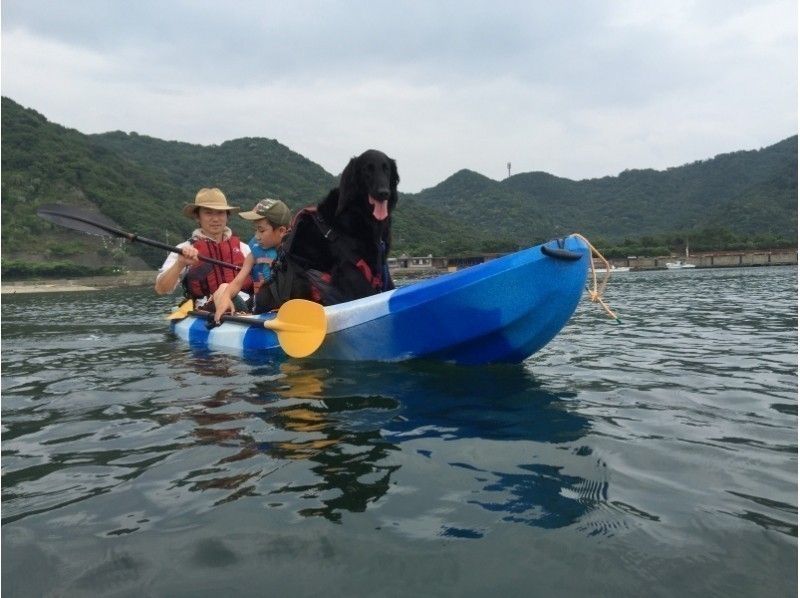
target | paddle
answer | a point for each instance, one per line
(300, 325)
(182, 311)
(97, 224)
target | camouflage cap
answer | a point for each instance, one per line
(273, 210)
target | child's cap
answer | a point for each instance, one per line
(273, 209)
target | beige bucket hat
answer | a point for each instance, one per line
(213, 199)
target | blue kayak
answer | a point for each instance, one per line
(501, 311)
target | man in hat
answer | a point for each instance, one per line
(211, 239)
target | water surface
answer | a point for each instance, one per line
(657, 457)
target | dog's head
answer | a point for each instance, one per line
(369, 184)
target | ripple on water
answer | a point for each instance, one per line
(671, 434)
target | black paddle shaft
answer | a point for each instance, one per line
(207, 315)
(69, 217)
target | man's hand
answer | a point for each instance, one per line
(188, 256)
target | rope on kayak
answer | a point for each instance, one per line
(596, 292)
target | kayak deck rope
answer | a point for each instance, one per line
(596, 292)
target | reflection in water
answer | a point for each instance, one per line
(344, 426)
(537, 497)
(317, 439)
(132, 465)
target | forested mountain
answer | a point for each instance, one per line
(245, 169)
(45, 163)
(251, 168)
(747, 192)
(142, 182)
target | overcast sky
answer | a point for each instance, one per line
(579, 89)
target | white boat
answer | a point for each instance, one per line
(613, 269)
(679, 265)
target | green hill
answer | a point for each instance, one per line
(245, 169)
(251, 168)
(142, 182)
(747, 192)
(43, 163)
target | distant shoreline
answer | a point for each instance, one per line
(90, 283)
(142, 278)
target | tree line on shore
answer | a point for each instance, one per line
(746, 199)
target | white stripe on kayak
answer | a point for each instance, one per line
(228, 334)
(353, 313)
(340, 317)
(182, 328)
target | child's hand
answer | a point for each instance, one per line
(222, 303)
(225, 306)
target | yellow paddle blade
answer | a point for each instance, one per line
(300, 325)
(182, 311)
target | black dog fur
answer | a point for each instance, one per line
(354, 211)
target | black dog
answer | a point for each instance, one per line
(337, 251)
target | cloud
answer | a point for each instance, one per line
(581, 90)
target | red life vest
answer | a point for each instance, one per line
(202, 280)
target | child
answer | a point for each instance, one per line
(271, 219)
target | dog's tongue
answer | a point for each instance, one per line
(380, 210)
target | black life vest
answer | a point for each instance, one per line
(288, 269)
(203, 279)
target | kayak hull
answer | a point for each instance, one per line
(500, 311)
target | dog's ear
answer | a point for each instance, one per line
(348, 185)
(394, 181)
